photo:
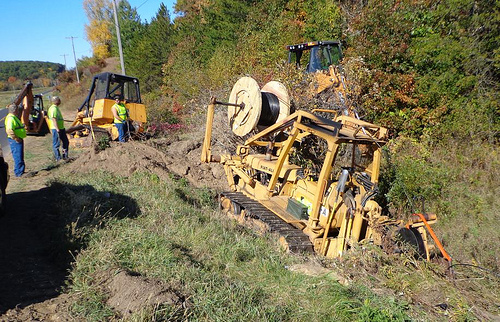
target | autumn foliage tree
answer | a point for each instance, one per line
(99, 30)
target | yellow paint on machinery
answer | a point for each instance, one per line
(102, 112)
(95, 115)
(33, 113)
(323, 60)
(334, 206)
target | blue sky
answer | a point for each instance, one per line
(40, 29)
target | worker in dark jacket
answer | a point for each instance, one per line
(16, 133)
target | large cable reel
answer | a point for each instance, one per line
(255, 108)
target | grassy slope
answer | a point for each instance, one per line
(225, 272)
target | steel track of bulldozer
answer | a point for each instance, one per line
(296, 241)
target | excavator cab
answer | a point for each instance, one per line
(33, 113)
(320, 55)
(105, 87)
(38, 110)
(323, 61)
(95, 115)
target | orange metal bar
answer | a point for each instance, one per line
(436, 240)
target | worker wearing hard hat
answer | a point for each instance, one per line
(56, 125)
(16, 133)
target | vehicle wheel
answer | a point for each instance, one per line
(410, 240)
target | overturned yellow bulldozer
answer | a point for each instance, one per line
(323, 202)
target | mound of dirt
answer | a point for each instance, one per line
(162, 157)
(55, 309)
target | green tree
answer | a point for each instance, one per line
(131, 29)
(31, 70)
(423, 59)
(151, 51)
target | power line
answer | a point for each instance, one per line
(142, 4)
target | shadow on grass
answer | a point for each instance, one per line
(41, 233)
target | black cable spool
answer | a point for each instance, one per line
(270, 109)
(255, 108)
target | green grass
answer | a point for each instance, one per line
(174, 233)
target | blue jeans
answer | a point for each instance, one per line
(17, 149)
(57, 138)
(121, 131)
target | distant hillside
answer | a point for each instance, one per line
(29, 70)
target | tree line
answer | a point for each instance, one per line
(14, 73)
(413, 64)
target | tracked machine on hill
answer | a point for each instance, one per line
(323, 59)
(95, 119)
(316, 201)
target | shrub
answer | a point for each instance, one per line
(410, 177)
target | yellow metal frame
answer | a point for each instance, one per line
(332, 225)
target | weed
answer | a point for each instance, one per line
(102, 143)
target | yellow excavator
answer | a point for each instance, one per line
(322, 59)
(94, 117)
(33, 114)
(321, 202)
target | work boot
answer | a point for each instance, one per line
(65, 154)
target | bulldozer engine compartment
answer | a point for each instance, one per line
(310, 178)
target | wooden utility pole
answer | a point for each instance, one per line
(74, 55)
(119, 38)
(64, 55)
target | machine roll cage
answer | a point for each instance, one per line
(109, 85)
(322, 54)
